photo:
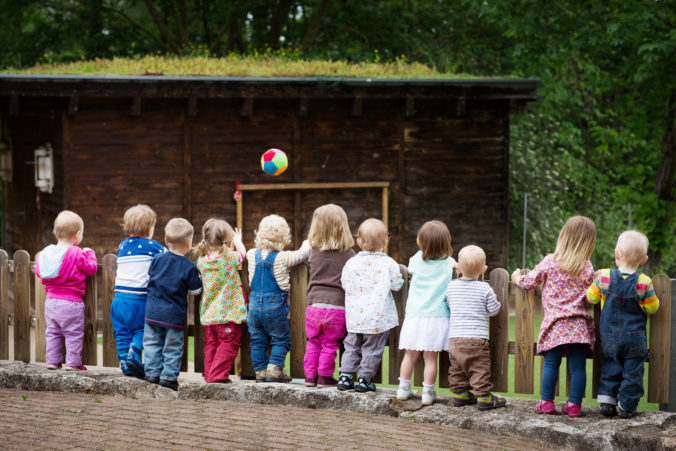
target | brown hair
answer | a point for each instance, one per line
(575, 244)
(216, 235)
(372, 235)
(138, 220)
(178, 231)
(67, 224)
(434, 240)
(329, 229)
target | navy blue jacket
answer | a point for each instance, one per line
(172, 277)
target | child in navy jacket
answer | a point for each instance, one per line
(172, 278)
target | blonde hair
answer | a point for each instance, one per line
(216, 234)
(575, 244)
(67, 224)
(273, 233)
(372, 235)
(434, 240)
(329, 230)
(178, 231)
(471, 261)
(632, 246)
(138, 220)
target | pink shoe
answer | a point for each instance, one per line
(571, 409)
(76, 368)
(546, 407)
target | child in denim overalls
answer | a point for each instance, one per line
(268, 317)
(626, 297)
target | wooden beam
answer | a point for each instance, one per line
(73, 105)
(13, 106)
(192, 106)
(355, 108)
(135, 106)
(247, 107)
(409, 108)
(337, 185)
(302, 106)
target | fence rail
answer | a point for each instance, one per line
(99, 295)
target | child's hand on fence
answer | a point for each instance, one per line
(86, 249)
(515, 276)
(238, 235)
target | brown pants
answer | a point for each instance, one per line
(470, 366)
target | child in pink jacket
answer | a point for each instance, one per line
(62, 268)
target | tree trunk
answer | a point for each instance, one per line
(314, 25)
(280, 16)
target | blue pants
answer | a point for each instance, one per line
(624, 356)
(268, 324)
(163, 351)
(577, 361)
(127, 317)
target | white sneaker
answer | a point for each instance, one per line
(404, 393)
(428, 398)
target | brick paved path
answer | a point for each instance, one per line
(32, 420)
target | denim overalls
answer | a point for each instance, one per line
(623, 342)
(268, 315)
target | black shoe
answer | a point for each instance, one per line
(626, 413)
(345, 383)
(169, 384)
(364, 385)
(608, 410)
(135, 367)
(152, 379)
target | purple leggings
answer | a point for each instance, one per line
(65, 319)
(325, 328)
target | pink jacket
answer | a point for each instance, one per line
(64, 271)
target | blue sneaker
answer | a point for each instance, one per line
(135, 367)
(345, 383)
(125, 369)
(364, 385)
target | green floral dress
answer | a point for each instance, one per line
(223, 298)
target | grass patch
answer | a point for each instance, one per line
(240, 66)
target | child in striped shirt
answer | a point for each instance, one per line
(267, 319)
(471, 303)
(626, 298)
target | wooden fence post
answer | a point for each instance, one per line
(670, 404)
(89, 345)
(598, 356)
(396, 356)
(22, 296)
(499, 331)
(198, 334)
(660, 338)
(244, 368)
(40, 323)
(108, 272)
(523, 340)
(4, 305)
(299, 278)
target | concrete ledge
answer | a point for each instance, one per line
(647, 431)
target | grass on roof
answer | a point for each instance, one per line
(243, 66)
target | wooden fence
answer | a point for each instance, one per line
(27, 287)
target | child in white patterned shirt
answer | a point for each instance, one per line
(368, 280)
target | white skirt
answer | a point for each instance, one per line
(424, 334)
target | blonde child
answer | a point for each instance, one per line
(471, 302)
(172, 277)
(268, 320)
(128, 309)
(566, 325)
(626, 298)
(62, 268)
(222, 308)
(425, 327)
(331, 243)
(368, 280)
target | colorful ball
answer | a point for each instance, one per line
(274, 161)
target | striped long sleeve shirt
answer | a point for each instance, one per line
(647, 299)
(283, 261)
(471, 303)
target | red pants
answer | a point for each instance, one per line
(221, 344)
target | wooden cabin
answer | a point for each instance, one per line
(411, 150)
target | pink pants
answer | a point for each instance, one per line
(221, 344)
(65, 319)
(325, 328)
